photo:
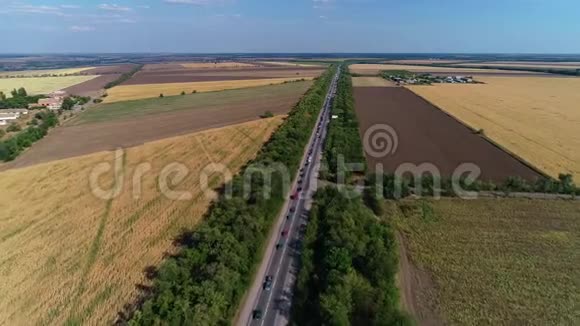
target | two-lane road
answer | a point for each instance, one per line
(281, 260)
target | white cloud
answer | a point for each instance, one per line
(144, 7)
(34, 9)
(191, 2)
(70, 6)
(82, 28)
(113, 7)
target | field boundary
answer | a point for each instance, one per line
(489, 140)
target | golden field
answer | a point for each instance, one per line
(39, 73)
(373, 69)
(536, 118)
(135, 92)
(523, 64)
(69, 257)
(203, 65)
(423, 61)
(371, 82)
(290, 64)
(41, 85)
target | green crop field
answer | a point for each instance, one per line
(496, 262)
(41, 85)
(139, 108)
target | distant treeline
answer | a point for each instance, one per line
(348, 266)
(11, 148)
(343, 140)
(124, 77)
(204, 283)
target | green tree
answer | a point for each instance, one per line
(68, 103)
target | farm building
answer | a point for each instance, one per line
(5, 118)
(18, 112)
(49, 103)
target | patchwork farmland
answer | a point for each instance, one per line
(534, 118)
(428, 135)
(374, 69)
(177, 78)
(124, 124)
(69, 257)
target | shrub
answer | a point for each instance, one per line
(161, 95)
(13, 127)
(267, 114)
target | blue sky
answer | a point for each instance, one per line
(460, 26)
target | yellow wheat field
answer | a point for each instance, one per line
(68, 257)
(38, 73)
(41, 85)
(203, 65)
(135, 92)
(371, 82)
(523, 64)
(373, 69)
(536, 118)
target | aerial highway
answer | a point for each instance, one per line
(270, 297)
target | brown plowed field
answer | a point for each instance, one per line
(77, 140)
(428, 135)
(179, 74)
(91, 87)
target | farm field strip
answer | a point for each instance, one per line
(371, 82)
(554, 65)
(489, 261)
(125, 124)
(428, 135)
(134, 92)
(71, 258)
(41, 85)
(38, 73)
(219, 65)
(535, 118)
(373, 69)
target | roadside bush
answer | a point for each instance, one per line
(97, 100)
(13, 127)
(343, 139)
(348, 266)
(204, 283)
(161, 95)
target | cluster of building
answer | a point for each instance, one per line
(427, 79)
(52, 102)
(10, 115)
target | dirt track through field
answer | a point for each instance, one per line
(428, 135)
(71, 141)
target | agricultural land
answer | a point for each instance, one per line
(45, 73)
(69, 257)
(534, 118)
(425, 134)
(131, 123)
(134, 92)
(524, 64)
(42, 85)
(374, 69)
(371, 82)
(489, 261)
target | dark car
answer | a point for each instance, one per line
(268, 283)
(257, 314)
